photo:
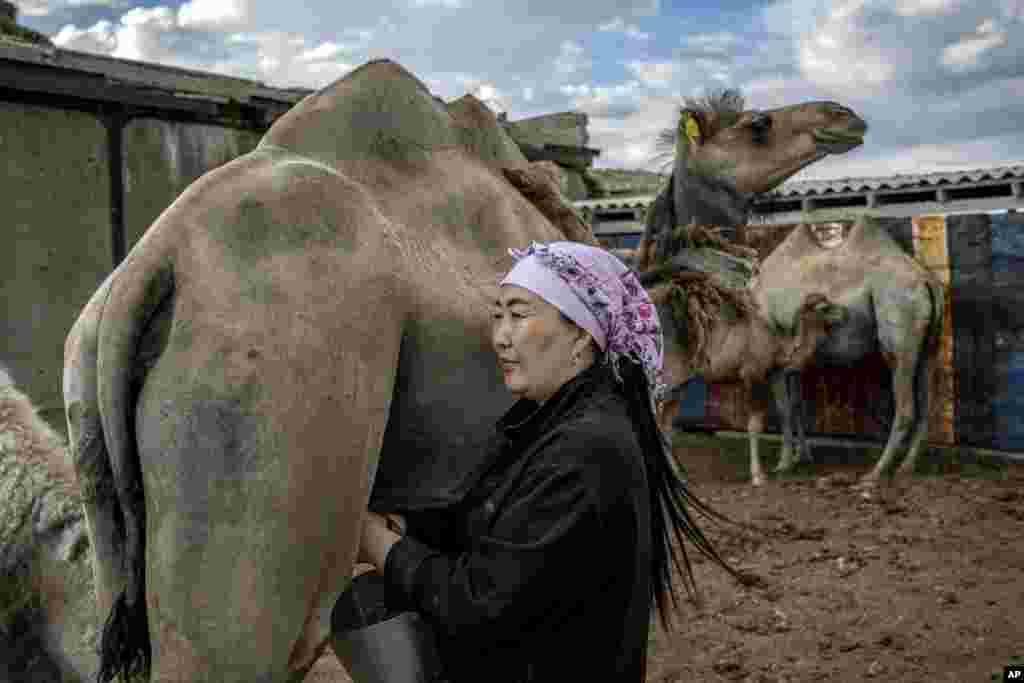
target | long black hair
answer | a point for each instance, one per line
(670, 499)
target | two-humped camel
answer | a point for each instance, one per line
(739, 346)
(895, 306)
(297, 317)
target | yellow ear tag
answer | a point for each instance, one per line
(692, 129)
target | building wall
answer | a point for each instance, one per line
(57, 247)
(59, 220)
(563, 128)
(162, 158)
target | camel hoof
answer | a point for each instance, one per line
(904, 471)
(757, 481)
(783, 467)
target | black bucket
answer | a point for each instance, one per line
(379, 639)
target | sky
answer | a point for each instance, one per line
(940, 82)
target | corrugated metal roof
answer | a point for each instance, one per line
(634, 202)
(802, 188)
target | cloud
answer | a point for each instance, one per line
(447, 4)
(617, 25)
(34, 8)
(655, 74)
(721, 43)
(215, 15)
(916, 8)
(287, 60)
(571, 59)
(140, 35)
(99, 38)
(322, 52)
(628, 141)
(966, 54)
(604, 101)
(844, 53)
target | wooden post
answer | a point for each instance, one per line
(932, 251)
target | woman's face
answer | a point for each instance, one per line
(535, 344)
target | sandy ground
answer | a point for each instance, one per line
(923, 581)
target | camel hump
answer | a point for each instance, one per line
(377, 111)
(380, 111)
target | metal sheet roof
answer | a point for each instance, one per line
(803, 188)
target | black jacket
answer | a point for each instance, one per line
(542, 573)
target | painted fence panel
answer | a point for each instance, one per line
(1008, 321)
(970, 256)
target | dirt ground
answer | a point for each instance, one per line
(922, 581)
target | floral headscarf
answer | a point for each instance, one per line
(615, 309)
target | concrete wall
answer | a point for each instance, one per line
(163, 157)
(563, 128)
(56, 246)
(58, 236)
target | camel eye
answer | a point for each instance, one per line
(760, 126)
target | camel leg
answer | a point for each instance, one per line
(796, 399)
(755, 427)
(256, 478)
(784, 405)
(922, 409)
(903, 420)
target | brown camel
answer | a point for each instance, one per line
(47, 610)
(742, 346)
(725, 155)
(895, 306)
(297, 317)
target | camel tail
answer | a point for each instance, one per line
(137, 288)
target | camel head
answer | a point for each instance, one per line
(756, 150)
(816, 318)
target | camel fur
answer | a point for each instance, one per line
(47, 631)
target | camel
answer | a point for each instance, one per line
(305, 324)
(895, 306)
(743, 346)
(725, 155)
(46, 599)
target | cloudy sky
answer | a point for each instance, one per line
(940, 82)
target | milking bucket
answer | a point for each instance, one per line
(378, 639)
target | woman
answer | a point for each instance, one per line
(546, 571)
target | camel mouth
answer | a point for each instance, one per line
(838, 140)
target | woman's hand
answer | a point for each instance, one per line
(377, 537)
